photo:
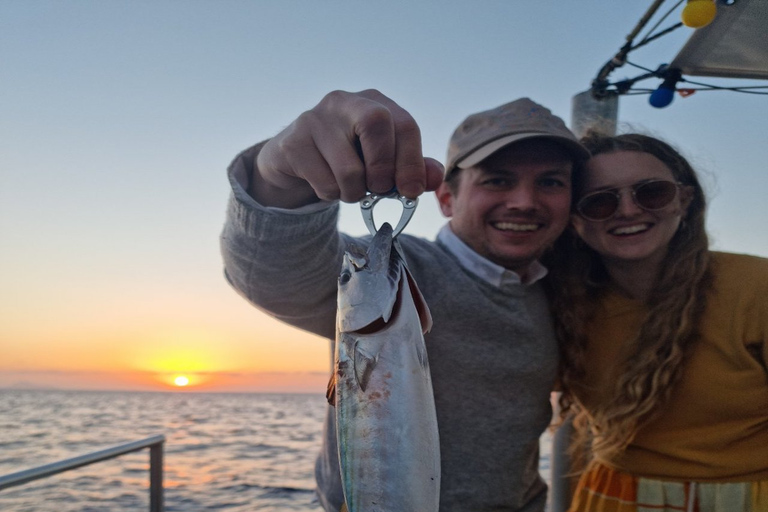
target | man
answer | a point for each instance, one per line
(492, 352)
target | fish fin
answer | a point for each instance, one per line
(330, 393)
(364, 364)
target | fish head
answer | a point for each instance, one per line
(368, 282)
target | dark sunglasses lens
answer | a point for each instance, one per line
(655, 195)
(598, 206)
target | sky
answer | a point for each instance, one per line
(118, 120)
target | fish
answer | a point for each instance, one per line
(386, 423)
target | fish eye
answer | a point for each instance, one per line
(345, 277)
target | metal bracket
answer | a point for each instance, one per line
(369, 201)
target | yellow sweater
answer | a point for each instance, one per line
(715, 426)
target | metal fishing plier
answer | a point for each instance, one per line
(369, 201)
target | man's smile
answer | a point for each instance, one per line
(516, 226)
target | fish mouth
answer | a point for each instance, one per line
(380, 248)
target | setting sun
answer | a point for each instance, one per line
(181, 380)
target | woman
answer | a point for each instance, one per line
(664, 342)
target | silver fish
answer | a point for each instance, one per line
(386, 422)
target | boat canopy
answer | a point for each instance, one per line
(733, 45)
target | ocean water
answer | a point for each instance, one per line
(229, 452)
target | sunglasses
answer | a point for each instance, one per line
(648, 195)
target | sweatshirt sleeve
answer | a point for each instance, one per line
(750, 278)
(286, 263)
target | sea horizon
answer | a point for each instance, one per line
(239, 451)
(169, 391)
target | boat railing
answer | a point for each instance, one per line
(154, 443)
(560, 464)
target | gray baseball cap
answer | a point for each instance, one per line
(482, 134)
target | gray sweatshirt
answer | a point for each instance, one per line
(492, 350)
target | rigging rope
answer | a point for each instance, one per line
(602, 88)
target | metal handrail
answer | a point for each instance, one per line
(154, 443)
(560, 464)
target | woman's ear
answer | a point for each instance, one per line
(577, 224)
(686, 197)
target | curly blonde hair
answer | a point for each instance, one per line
(670, 330)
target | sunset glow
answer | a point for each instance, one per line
(112, 274)
(185, 380)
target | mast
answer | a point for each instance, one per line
(591, 110)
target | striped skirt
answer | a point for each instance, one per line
(602, 489)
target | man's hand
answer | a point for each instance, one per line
(348, 144)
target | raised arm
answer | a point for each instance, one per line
(347, 144)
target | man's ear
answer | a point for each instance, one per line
(445, 199)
